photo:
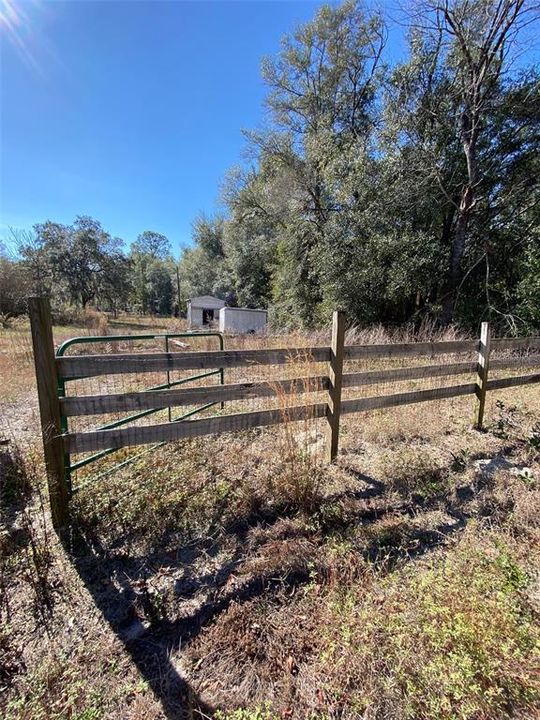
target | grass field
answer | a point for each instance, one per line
(240, 577)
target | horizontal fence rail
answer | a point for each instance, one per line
(423, 349)
(156, 399)
(375, 377)
(99, 404)
(363, 352)
(118, 438)
(384, 401)
(513, 381)
(530, 343)
(92, 365)
(423, 372)
(56, 406)
(408, 398)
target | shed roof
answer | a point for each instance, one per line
(206, 301)
(247, 310)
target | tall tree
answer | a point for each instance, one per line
(322, 90)
(453, 116)
(14, 286)
(475, 39)
(152, 268)
(153, 244)
(203, 269)
(71, 260)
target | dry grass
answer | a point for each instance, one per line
(414, 470)
(243, 578)
(59, 658)
(422, 642)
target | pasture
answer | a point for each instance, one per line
(242, 576)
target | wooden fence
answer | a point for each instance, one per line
(51, 371)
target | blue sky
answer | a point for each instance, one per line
(131, 111)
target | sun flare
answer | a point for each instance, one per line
(17, 27)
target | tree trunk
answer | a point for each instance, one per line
(464, 213)
(454, 272)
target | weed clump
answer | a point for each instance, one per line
(533, 440)
(414, 471)
(508, 421)
(513, 501)
(15, 485)
(455, 640)
(261, 712)
(295, 484)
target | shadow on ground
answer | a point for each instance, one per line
(202, 578)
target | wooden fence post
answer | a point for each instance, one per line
(482, 375)
(336, 376)
(49, 408)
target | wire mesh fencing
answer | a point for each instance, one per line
(83, 466)
(264, 381)
(299, 381)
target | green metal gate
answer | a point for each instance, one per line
(70, 467)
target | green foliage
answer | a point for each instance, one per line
(203, 270)
(76, 264)
(152, 244)
(460, 460)
(455, 639)
(60, 687)
(14, 285)
(534, 438)
(261, 712)
(393, 192)
(152, 289)
(79, 264)
(507, 421)
(78, 257)
(528, 287)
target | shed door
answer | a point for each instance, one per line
(207, 316)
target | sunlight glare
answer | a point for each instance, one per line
(16, 26)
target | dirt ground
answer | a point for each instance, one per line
(245, 578)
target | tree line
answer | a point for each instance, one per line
(396, 191)
(81, 264)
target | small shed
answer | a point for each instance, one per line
(242, 320)
(203, 310)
